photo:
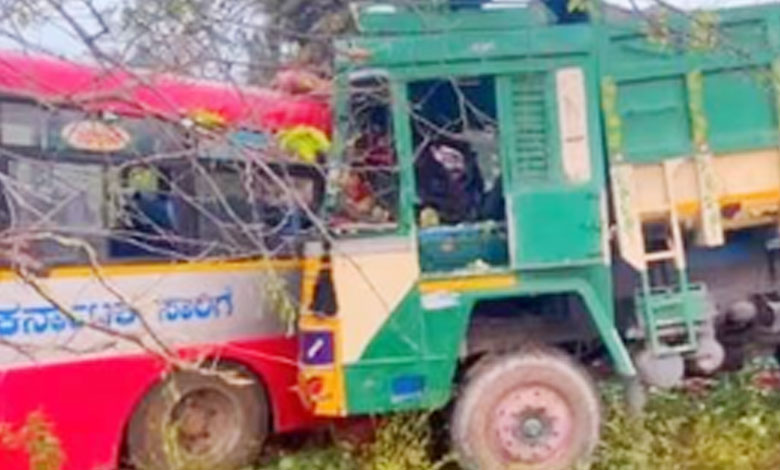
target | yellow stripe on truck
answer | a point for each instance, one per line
(495, 281)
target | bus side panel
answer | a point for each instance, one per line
(274, 360)
(90, 403)
(88, 382)
(87, 403)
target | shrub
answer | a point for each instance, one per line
(731, 423)
(36, 437)
(725, 424)
(402, 442)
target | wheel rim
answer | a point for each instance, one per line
(532, 424)
(204, 423)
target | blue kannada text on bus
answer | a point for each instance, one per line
(41, 320)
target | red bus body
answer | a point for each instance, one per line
(90, 399)
(90, 402)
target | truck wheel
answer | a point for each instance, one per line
(534, 410)
(198, 421)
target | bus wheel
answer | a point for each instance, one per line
(193, 420)
(534, 410)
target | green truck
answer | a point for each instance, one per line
(513, 198)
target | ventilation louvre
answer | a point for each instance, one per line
(531, 155)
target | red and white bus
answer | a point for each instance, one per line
(81, 149)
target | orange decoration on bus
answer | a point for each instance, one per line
(96, 136)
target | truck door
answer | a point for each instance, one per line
(553, 178)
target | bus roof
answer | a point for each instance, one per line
(138, 92)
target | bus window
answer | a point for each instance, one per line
(244, 210)
(222, 207)
(56, 197)
(145, 225)
(288, 200)
(56, 136)
(369, 187)
(20, 124)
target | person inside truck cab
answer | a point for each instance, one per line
(449, 181)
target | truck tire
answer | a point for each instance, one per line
(198, 421)
(532, 410)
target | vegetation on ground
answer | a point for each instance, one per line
(725, 424)
(401, 442)
(728, 424)
(35, 438)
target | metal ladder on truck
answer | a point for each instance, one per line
(670, 313)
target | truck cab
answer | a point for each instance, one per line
(503, 169)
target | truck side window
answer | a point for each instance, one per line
(460, 199)
(369, 184)
(456, 147)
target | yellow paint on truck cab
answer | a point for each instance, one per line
(471, 283)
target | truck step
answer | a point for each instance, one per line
(666, 350)
(672, 317)
(654, 257)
